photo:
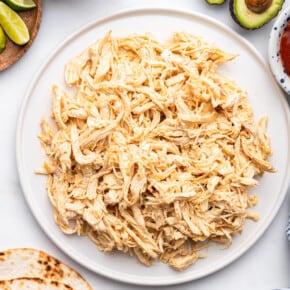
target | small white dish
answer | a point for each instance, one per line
(274, 50)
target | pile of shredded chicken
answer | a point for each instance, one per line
(153, 151)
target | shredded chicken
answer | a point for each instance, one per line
(154, 151)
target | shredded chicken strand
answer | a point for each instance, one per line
(155, 152)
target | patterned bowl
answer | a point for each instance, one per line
(274, 49)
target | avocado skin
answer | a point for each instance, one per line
(247, 26)
(215, 2)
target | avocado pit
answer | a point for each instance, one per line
(258, 6)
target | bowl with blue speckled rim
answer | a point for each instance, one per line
(274, 50)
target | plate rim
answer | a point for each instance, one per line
(33, 82)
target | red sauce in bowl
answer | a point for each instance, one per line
(285, 48)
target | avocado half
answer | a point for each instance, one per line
(215, 2)
(249, 19)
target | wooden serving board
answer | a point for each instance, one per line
(14, 52)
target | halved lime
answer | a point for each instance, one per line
(13, 25)
(19, 5)
(2, 40)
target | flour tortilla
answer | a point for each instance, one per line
(32, 284)
(26, 262)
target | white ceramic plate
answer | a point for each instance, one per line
(248, 69)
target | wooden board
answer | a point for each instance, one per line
(14, 52)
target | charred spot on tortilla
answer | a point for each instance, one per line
(19, 263)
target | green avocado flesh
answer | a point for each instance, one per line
(2, 40)
(251, 20)
(215, 2)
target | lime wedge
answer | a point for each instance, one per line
(13, 25)
(19, 5)
(2, 40)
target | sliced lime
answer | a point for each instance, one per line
(13, 25)
(2, 40)
(19, 5)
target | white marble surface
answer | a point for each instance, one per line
(264, 266)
